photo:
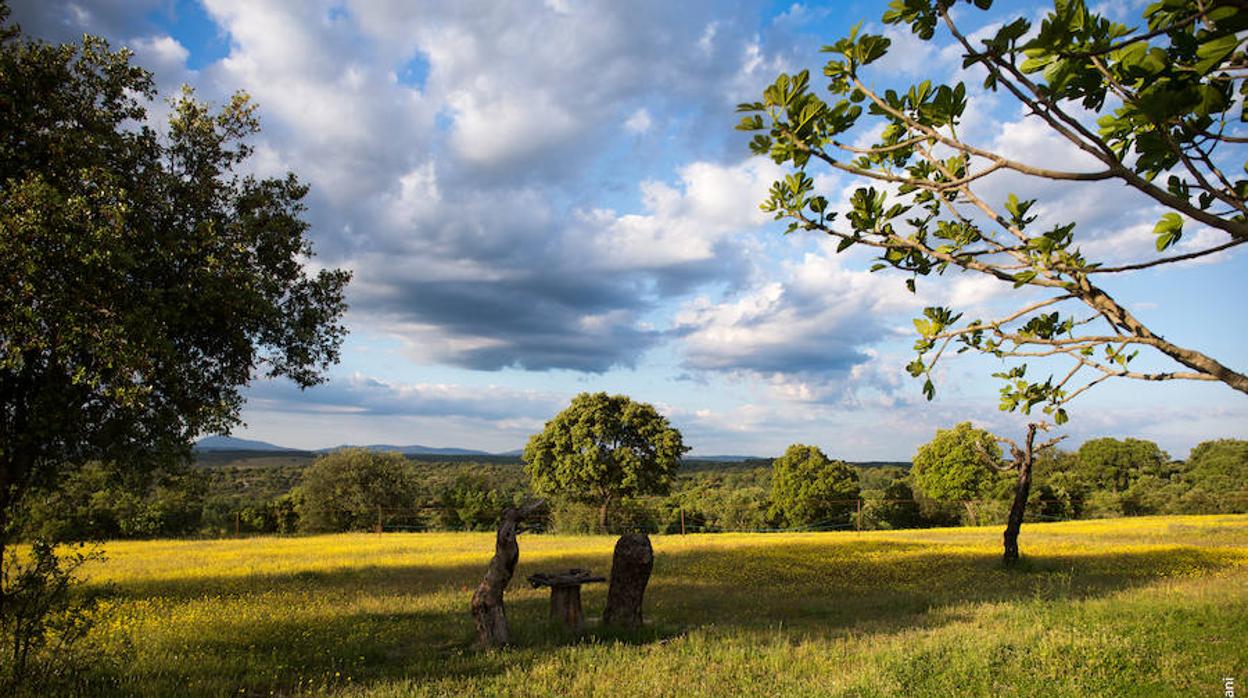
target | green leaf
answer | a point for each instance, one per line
(1023, 278)
(1168, 230)
(1211, 53)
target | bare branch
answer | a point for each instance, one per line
(1168, 260)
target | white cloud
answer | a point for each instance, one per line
(680, 225)
(162, 54)
(818, 322)
(639, 122)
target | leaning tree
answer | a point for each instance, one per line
(601, 449)
(1153, 106)
(143, 278)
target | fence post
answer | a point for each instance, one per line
(682, 521)
(238, 523)
(378, 528)
(859, 501)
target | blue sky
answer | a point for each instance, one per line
(542, 198)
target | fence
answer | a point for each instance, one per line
(425, 517)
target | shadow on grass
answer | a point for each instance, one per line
(810, 588)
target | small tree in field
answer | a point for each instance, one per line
(961, 464)
(807, 487)
(601, 449)
(1153, 105)
(343, 490)
(1221, 466)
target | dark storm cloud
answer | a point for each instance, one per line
(60, 21)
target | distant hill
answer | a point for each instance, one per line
(229, 443)
(220, 444)
(415, 450)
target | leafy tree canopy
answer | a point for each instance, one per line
(1111, 464)
(961, 463)
(1220, 466)
(342, 491)
(143, 278)
(808, 488)
(603, 448)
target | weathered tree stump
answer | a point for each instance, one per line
(565, 595)
(630, 572)
(487, 601)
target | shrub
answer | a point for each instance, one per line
(42, 620)
(344, 490)
(471, 504)
(807, 488)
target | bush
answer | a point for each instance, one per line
(808, 488)
(573, 518)
(889, 509)
(42, 620)
(344, 490)
(470, 504)
(99, 501)
(1103, 504)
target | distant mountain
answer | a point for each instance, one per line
(726, 459)
(413, 450)
(229, 443)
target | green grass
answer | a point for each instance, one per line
(1151, 607)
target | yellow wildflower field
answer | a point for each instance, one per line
(1140, 606)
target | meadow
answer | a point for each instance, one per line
(1151, 606)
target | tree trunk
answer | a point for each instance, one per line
(602, 514)
(1022, 488)
(488, 611)
(630, 573)
(565, 607)
(6, 500)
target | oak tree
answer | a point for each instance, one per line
(601, 449)
(809, 488)
(144, 278)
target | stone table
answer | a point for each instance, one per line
(565, 594)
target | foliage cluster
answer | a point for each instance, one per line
(464, 495)
(101, 501)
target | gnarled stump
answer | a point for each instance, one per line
(630, 572)
(487, 600)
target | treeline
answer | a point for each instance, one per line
(355, 489)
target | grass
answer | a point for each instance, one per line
(1148, 606)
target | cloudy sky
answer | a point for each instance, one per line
(543, 198)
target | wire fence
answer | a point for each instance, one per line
(856, 514)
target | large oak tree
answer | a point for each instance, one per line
(144, 279)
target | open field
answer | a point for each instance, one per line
(1149, 606)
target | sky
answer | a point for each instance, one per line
(543, 198)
